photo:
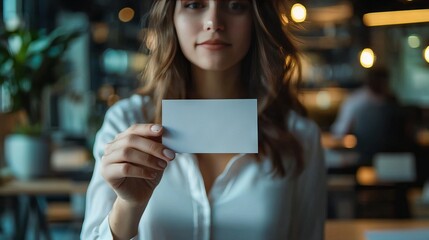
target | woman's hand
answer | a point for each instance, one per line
(133, 163)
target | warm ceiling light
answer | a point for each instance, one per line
(298, 13)
(396, 17)
(126, 14)
(426, 54)
(367, 58)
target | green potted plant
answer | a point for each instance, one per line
(28, 64)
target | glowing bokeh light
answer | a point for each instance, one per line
(298, 13)
(367, 58)
(126, 14)
(426, 54)
(414, 41)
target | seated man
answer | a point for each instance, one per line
(374, 116)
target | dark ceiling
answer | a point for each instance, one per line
(95, 8)
(365, 6)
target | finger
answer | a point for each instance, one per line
(141, 144)
(152, 131)
(123, 170)
(143, 130)
(135, 156)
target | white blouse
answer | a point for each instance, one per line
(246, 201)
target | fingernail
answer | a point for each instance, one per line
(162, 164)
(168, 153)
(155, 128)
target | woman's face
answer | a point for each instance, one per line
(214, 35)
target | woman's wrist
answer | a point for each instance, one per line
(130, 206)
(125, 217)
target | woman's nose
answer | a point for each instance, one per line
(213, 26)
(213, 21)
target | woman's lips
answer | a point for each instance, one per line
(214, 44)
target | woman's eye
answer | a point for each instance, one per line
(238, 6)
(193, 5)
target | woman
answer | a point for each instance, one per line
(210, 49)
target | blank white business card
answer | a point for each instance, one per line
(210, 126)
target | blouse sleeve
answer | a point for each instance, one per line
(100, 197)
(311, 189)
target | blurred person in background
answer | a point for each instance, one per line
(373, 114)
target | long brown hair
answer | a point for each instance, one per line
(272, 60)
